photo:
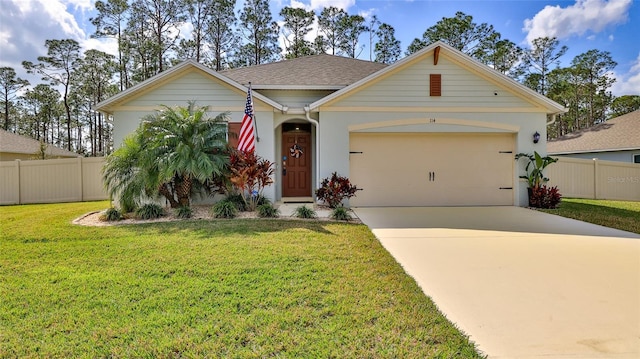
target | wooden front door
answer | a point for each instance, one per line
(296, 164)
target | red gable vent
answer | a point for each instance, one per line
(435, 85)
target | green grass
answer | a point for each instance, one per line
(624, 215)
(220, 288)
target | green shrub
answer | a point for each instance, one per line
(267, 210)
(111, 215)
(184, 212)
(150, 211)
(334, 190)
(304, 212)
(224, 209)
(238, 200)
(340, 214)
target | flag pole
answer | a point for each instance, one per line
(255, 123)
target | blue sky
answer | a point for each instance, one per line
(582, 25)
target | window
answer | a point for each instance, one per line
(233, 132)
(636, 158)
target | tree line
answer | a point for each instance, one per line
(149, 40)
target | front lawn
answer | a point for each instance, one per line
(224, 288)
(624, 215)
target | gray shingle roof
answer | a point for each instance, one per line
(620, 133)
(310, 71)
(13, 143)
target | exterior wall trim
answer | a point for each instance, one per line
(427, 121)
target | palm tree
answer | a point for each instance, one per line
(170, 153)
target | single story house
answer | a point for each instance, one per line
(17, 147)
(436, 128)
(617, 139)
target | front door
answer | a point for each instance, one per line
(296, 162)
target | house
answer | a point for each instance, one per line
(16, 147)
(617, 139)
(436, 128)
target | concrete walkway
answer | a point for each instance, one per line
(521, 283)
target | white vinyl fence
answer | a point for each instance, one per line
(51, 181)
(595, 179)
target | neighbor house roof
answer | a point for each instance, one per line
(13, 143)
(174, 72)
(617, 134)
(456, 56)
(317, 72)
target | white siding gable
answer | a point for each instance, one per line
(195, 86)
(408, 88)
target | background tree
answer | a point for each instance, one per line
(163, 18)
(539, 60)
(372, 28)
(109, 23)
(10, 85)
(198, 13)
(42, 113)
(297, 24)
(624, 104)
(58, 68)
(502, 55)
(594, 67)
(351, 27)
(221, 35)
(97, 69)
(387, 48)
(459, 32)
(261, 32)
(139, 47)
(329, 23)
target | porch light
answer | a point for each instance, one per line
(536, 137)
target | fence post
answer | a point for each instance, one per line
(596, 185)
(80, 177)
(17, 162)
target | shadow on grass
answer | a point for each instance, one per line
(209, 228)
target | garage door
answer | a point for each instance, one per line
(405, 169)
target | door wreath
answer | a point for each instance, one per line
(296, 151)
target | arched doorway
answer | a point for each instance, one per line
(296, 160)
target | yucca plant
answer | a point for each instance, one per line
(150, 211)
(224, 209)
(267, 210)
(305, 212)
(184, 212)
(340, 213)
(111, 215)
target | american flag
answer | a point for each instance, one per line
(247, 139)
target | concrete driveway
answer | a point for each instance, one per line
(521, 283)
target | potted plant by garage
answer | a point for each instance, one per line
(539, 194)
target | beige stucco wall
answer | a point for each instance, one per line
(336, 126)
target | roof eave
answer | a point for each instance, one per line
(298, 87)
(594, 151)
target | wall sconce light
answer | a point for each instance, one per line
(536, 137)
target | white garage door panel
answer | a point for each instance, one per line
(431, 169)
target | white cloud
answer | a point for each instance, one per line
(340, 4)
(629, 83)
(577, 19)
(26, 24)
